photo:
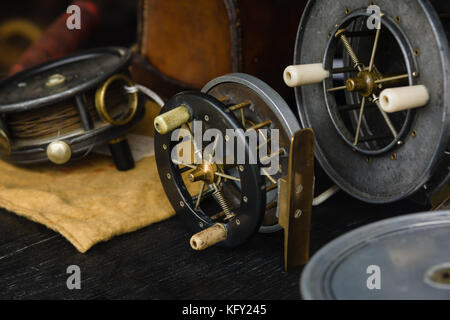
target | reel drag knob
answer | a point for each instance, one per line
(209, 237)
(304, 74)
(172, 119)
(404, 98)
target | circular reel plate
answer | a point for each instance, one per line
(266, 104)
(405, 169)
(410, 254)
(28, 89)
(249, 213)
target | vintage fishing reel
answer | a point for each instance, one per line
(372, 79)
(61, 110)
(219, 191)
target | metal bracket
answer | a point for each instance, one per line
(295, 199)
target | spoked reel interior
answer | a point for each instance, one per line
(373, 84)
(208, 184)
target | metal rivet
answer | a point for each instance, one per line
(245, 199)
(394, 156)
(299, 189)
(238, 222)
(241, 168)
(182, 204)
(347, 11)
(397, 18)
(169, 176)
(206, 118)
(417, 52)
(164, 147)
(201, 224)
(298, 213)
(414, 133)
(55, 80)
(227, 138)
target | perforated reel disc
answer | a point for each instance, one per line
(382, 167)
(399, 258)
(243, 199)
(264, 105)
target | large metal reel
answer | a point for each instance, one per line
(263, 105)
(387, 158)
(229, 203)
(401, 258)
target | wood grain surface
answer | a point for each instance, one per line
(157, 262)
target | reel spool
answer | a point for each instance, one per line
(400, 258)
(232, 200)
(375, 89)
(61, 110)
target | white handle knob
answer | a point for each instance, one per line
(404, 98)
(303, 74)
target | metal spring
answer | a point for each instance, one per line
(223, 204)
(349, 49)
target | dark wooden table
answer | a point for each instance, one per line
(157, 262)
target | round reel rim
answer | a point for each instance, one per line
(320, 268)
(272, 99)
(124, 55)
(247, 225)
(436, 165)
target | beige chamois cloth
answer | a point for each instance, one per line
(87, 201)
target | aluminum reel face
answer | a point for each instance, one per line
(399, 258)
(263, 105)
(375, 156)
(225, 194)
(61, 110)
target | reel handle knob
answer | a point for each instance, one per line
(209, 237)
(303, 74)
(404, 98)
(169, 121)
(121, 154)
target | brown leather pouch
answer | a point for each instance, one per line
(183, 44)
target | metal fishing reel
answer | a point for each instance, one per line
(61, 110)
(372, 80)
(225, 200)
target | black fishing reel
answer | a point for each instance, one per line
(62, 110)
(372, 80)
(218, 178)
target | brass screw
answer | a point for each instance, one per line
(417, 52)
(394, 156)
(347, 11)
(414, 133)
(397, 18)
